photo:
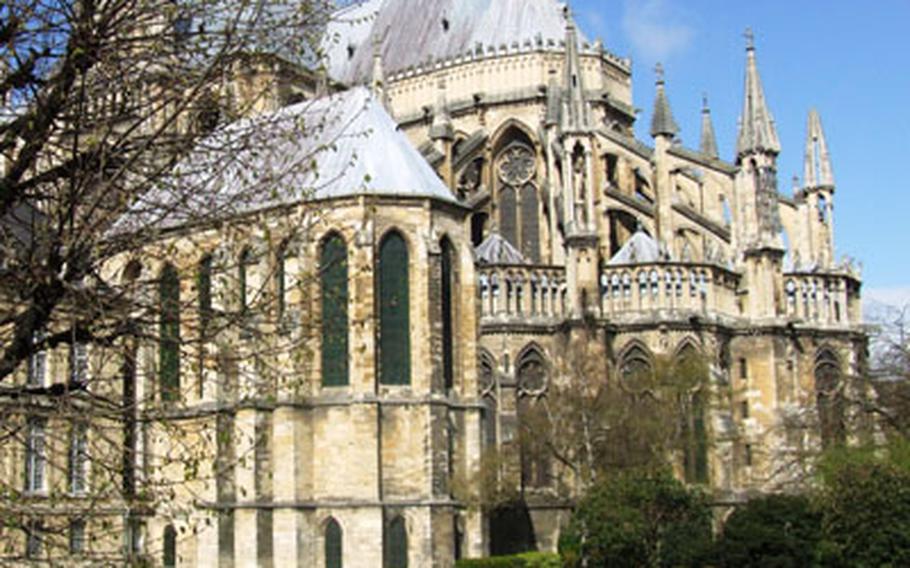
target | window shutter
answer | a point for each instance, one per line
(333, 270)
(394, 316)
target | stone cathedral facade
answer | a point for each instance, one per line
(499, 211)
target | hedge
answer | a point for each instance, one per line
(526, 560)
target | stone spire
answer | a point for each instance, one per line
(708, 145)
(441, 129)
(757, 132)
(817, 171)
(662, 122)
(576, 111)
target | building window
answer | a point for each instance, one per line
(747, 451)
(691, 367)
(394, 312)
(743, 368)
(333, 273)
(508, 215)
(333, 545)
(204, 283)
(77, 537)
(78, 459)
(37, 362)
(169, 548)
(132, 537)
(448, 315)
(34, 532)
(636, 370)
(829, 400)
(395, 552)
(281, 281)
(530, 224)
(744, 409)
(243, 281)
(35, 458)
(169, 337)
(78, 363)
(534, 452)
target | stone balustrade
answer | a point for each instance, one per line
(821, 298)
(525, 291)
(630, 289)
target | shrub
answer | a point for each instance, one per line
(777, 531)
(526, 560)
(639, 518)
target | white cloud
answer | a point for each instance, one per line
(655, 29)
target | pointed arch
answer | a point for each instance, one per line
(169, 334)
(829, 397)
(510, 131)
(394, 310)
(333, 549)
(395, 551)
(532, 376)
(333, 280)
(636, 366)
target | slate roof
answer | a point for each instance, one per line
(415, 31)
(497, 250)
(640, 249)
(338, 146)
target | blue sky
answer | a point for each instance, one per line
(848, 59)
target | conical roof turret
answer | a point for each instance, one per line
(757, 132)
(662, 121)
(708, 145)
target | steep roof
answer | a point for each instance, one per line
(497, 250)
(639, 249)
(662, 121)
(338, 146)
(415, 31)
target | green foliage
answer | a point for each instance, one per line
(779, 531)
(865, 506)
(639, 518)
(526, 560)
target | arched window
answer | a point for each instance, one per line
(169, 335)
(448, 315)
(693, 432)
(169, 552)
(508, 215)
(395, 552)
(487, 391)
(394, 312)
(333, 544)
(636, 370)
(530, 224)
(829, 400)
(333, 270)
(535, 456)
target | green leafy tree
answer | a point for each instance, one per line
(639, 518)
(865, 505)
(775, 531)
